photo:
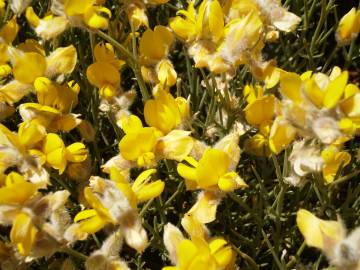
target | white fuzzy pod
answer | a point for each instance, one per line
(172, 237)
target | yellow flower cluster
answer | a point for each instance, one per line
(222, 37)
(315, 106)
(58, 186)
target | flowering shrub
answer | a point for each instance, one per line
(179, 134)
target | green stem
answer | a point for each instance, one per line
(236, 199)
(319, 25)
(247, 258)
(145, 207)
(291, 263)
(75, 253)
(137, 69)
(277, 261)
(94, 103)
(119, 132)
(349, 55)
(279, 175)
(330, 58)
(7, 12)
(97, 242)
(344, 178)
(178, 190)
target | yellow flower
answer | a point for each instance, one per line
(349, 27)
(290, 86)
(23, 233)
(243, 36)
(331, 238)
(57, 155)
(155, 45)
(274, 134)
(207, 22)
(318, 232)
(201, 213)
(162, 112)
(197, 253)
(333, 159)
(48, 117)
(30, 133)
(147, 144)
(154, 48)
(320, 105)
(166, 73)
(54, 150)
(139, 146)
(13, 92)
(282, 133)
(93, 220)
(261, 108)
(16, 151)
(55, 104)
(350, 105)
(61, 61)
(141, 189)
(17, 191)
(203, 30)
(9, 31)
(335, 90)
(261, 111)
(104, 73)
(252, 93)
(258, 145)
(61, 97)
(48, 27)
(114, 202)
(24, 62)
(31, 56)
(273, 14)
(104, 76)
(323, 91)
(135, 10)
(210, 172)
(76, 152)
(69, 12)
(176, 145)
(94, 16)
(104, 52)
